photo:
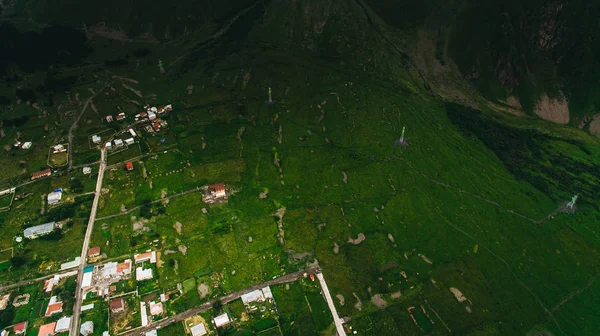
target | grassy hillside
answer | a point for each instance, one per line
(470, 204)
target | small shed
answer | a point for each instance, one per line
(129, 166)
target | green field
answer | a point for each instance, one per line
(471, 203)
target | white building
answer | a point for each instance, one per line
(39, 230)
(71, 264)
(87, 328)
(118, 143)
(146, 256)
(96, 139)
(221, 320)
(54, 197)
(151, 333)
(26, 145)
(198, 330)
(108, 145)
(132, 132)
(143, 314)
(129, 141)
(143, 274)
(151, 115)
(156, 308)
(259, 295)
(63, 324)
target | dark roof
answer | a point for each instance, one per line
(116, 303)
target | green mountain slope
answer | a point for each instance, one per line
(472, 203)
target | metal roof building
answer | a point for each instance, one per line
(39, 230)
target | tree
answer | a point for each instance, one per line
(18, 261)
(217, 305)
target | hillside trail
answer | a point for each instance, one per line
(76, 121)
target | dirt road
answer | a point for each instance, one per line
(224, 299)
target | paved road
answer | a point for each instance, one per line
(314, 269)
(86, 243)
(336, 318)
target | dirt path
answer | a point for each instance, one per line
(155, 201)
(74, 125)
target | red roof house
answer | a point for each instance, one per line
(41, 173)
(129, 165)
(94, 252)
(47, 329)
(20, 328)
(117, 305)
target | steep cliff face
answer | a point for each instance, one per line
(544, 54)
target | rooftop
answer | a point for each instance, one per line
(47, 329)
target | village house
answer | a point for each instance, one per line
(87, 170)
(109, 118)
(54, 306)
(129, 141)
(47, 329)
(108, 145)
(26, 145)
(58, 149)
(63, 324)
(120, 116)
(4, 301)
(198, 330)
(41, 173)
(163, 109)
(221, 320)
(156, 308)
(96, 139)
(143, 114)
(54, 197)
(118, 143)
(146, 256)
(151, 115)
(87, 328)
(117, 305)
(129, 166)
(113, 269)
(20, 328)
(156, 126)
(50, 283)
(39, 230)
(143, 274)
(132, 132)
(217, 190)
(93, 252)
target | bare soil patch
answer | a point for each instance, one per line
(555, 110)
(361, 237)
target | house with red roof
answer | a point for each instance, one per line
(20, 328)
(54, 306)
(47, 329)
